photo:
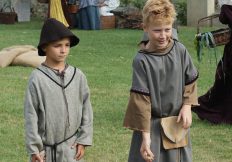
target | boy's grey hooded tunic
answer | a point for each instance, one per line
(56, 106)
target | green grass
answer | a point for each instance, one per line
(105, 57)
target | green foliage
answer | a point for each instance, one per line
(181, 9)
(125, 2)
(105, 56)
(136, 3)
(139, 3)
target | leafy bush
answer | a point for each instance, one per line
(139, 3)
(125, 2)
(136, 3)
(181, 9)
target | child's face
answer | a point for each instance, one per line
(57, 52)
(159, 35)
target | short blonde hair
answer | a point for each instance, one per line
(158, 12)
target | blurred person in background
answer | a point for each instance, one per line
(88, 15)
(105, 6)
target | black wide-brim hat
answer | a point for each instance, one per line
(54, 30)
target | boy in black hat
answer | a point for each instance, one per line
(58, 112)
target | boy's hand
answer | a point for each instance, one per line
(36, 158)
(186, 115)
(80, 151)
(145, 150)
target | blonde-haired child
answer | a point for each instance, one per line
(162, 92)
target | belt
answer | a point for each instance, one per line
(54, 146)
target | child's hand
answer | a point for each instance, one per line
(186, 115)
(80, 151)
(36, 158)
(145, 150)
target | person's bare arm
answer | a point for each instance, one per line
(145, 150)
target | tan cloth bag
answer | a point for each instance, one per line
(7, 55)
(30, 58)
(173, 134)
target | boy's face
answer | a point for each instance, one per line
(159, 35)
(57, 52)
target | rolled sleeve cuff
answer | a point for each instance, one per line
(138, 114)
(190, 95)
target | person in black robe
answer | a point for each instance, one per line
(216, 105)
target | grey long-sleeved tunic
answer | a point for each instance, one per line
(56, 106)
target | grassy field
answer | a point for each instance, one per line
(105, 57)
